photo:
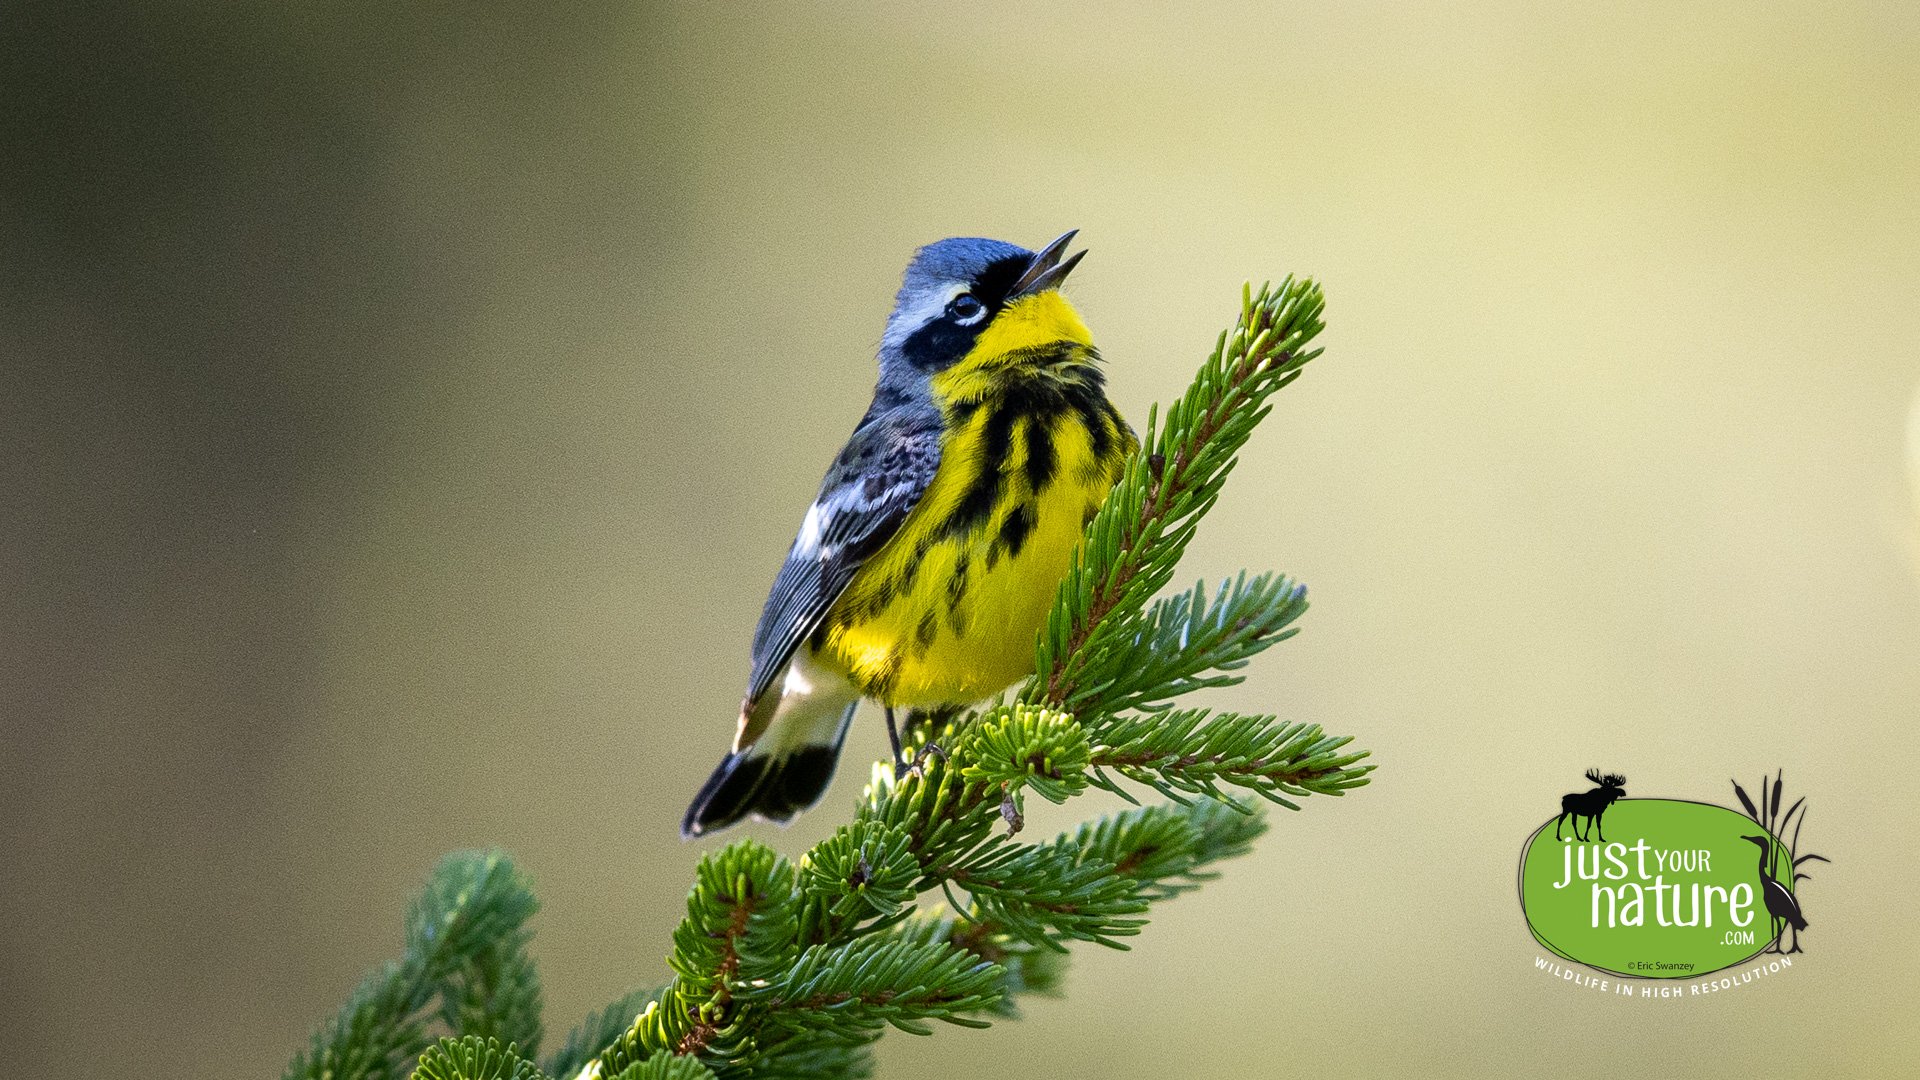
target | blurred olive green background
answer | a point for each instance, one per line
(403, 410)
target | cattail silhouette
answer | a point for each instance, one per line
(1591, 804)
(1781, 902)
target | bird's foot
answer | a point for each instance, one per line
(920, 759)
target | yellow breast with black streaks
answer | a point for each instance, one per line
(948, 610)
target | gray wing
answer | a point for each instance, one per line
(871, 488)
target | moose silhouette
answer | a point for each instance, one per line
(1590, 804)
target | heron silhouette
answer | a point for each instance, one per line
(1780, 902)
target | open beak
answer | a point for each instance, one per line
(1046, 271)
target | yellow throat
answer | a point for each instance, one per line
(947, 611)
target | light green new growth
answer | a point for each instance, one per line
(794, 970)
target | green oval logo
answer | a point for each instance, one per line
(1657, 889)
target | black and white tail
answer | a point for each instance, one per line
(788, 765)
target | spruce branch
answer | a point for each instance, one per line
(1094, 884)
(1135, 542)
(741, 926)
(1020, 748)
(465, 947)
(1030, 970)
(864, 871)
(1195, 751)
(793, 969)
(942, 812)
(1169, 651)
(496, 992)
(665, 1068)
(599, 1030)
(1165, 849)
(474, 1058)
(1043, 894)
(852, 991)
(810, 1057)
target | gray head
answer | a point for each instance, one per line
(952, 289)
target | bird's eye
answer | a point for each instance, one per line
(966, 310)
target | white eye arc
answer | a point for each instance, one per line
(966, 310)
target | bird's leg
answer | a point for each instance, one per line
(893, 738)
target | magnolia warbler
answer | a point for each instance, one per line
(933, 552)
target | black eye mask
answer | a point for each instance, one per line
(942, 342)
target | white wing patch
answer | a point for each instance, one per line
(813, 541)
(862, 502)
(807, 544)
